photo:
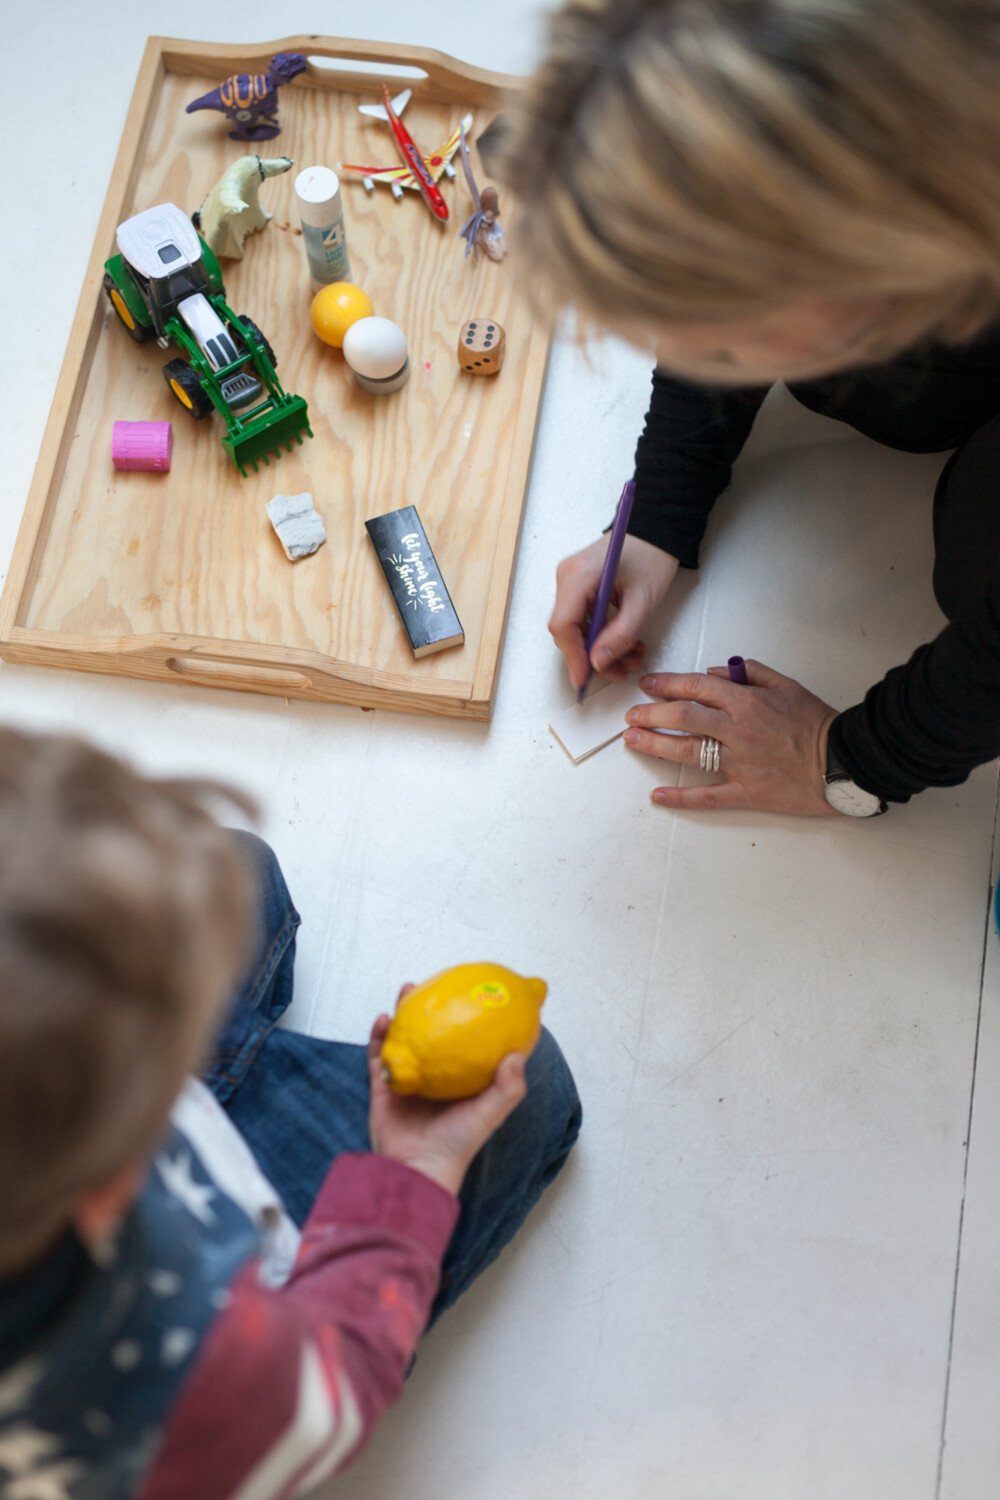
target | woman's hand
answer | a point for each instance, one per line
(771, 734)
(439, 1140)
(644, 574)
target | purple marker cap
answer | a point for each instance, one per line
(599, 613)
(738, 671)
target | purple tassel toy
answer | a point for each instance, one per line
(482, 230)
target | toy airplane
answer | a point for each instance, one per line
(421, 173)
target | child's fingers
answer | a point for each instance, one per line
(379, 1028)
(504, 1094)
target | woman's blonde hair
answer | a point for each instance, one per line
(124, 925)
(691, 161)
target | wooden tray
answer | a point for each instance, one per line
(179, 576)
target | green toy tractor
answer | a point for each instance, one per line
(166, 285)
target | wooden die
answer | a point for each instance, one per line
(482, 344)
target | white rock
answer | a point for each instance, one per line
(299, 528)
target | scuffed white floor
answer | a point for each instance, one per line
(771, 1270)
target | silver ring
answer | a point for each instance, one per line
(709, 758)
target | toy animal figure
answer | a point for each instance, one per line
(250, 100)
(482, 230)
(232, 210)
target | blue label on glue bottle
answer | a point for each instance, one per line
(318, 192)
(326, 251)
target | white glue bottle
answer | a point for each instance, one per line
(318, 192)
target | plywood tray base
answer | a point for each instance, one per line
(178, 577)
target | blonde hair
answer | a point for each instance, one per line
(700, 161)
(124, 923)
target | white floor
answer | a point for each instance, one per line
(771, 1271)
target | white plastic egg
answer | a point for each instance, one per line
(375, 349)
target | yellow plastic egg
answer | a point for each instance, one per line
(335, 308)
(449, 1034)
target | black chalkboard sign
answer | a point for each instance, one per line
(414, 578)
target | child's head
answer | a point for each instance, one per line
(124, 922)
(788, 186)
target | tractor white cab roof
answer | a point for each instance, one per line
(159, 241)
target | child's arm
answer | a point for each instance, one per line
(290, 1382)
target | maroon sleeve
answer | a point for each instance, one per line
(290, 1382)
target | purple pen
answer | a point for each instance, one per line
(738, 671)
(599, 613)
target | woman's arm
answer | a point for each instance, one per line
(684, 460)
(932, 721)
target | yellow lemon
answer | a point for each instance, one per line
(335, 308)
(449, 1034)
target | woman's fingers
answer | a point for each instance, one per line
(681, 749)
(771, 735)
(565, 631)
(758, 675)
(577, 580)
(721, 794)
(695, 687)
(629, 663)
(684, 716)
(620, 636)
(644, 575)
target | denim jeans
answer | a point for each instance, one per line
(299, 1101)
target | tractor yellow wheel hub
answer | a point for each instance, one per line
(121, 308)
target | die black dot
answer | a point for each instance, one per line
(469, 339)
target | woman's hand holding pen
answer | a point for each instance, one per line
(771, 735)
(644, 574)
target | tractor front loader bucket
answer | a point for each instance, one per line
(255, 439)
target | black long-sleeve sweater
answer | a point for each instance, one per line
(927, 723)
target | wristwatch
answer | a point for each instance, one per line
(845, 796)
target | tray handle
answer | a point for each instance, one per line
(237, 674)
(445, 80)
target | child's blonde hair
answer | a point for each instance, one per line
(124, 922)
(689, 161)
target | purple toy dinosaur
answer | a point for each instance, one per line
(250, 100)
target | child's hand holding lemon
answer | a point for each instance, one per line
(466, 1032)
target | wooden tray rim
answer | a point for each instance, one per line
(448, 80)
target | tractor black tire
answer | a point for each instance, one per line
(186, 386)
(138, 332)
(253, 335)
